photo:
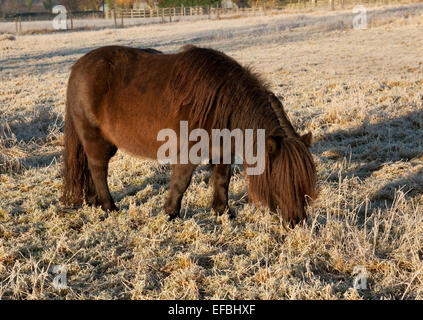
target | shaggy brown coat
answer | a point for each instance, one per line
(120, 97)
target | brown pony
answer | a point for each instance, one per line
(121, 97)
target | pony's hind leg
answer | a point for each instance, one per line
(220, 178)
(181, 177)
(99, 151)
(91, 196)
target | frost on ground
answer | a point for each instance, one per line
(359, 92)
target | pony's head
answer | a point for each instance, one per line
(288, 183)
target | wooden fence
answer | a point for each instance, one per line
(262, 10)
(180, 11)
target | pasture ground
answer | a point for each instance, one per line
(359, 91)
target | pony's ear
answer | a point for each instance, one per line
(272, 145)
(307, 139)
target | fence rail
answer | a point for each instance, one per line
(179, 11)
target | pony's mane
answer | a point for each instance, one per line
(219, 91)
(293, 175)
(288, 130)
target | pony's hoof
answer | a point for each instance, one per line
(103, 216)
(173, 217)
(220, 210)
(223, 210)
(231, 214)
(109, 208)
(93, 201)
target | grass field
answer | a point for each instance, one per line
(359, 91)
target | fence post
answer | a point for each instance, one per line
(71, 20)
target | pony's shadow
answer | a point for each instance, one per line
(26, 58)
(372, 146)
(157, 181)
(33, 143)
(204, 174)
(410, 184)
(41, 161)
(160, 178)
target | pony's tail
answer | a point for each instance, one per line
(76, 175)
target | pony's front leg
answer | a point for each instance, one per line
(181, 177)
(221, 177)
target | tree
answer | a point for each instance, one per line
(71, 5)
(28, 4)
(48, 5)
(90, 4)
(1, 7)
(150, 4)
(110, 4)
(124, 3)
(13, 6)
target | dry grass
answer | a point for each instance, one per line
(359, 92)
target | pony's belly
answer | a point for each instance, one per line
(140, 153)
(137, 138)
(138, 149)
